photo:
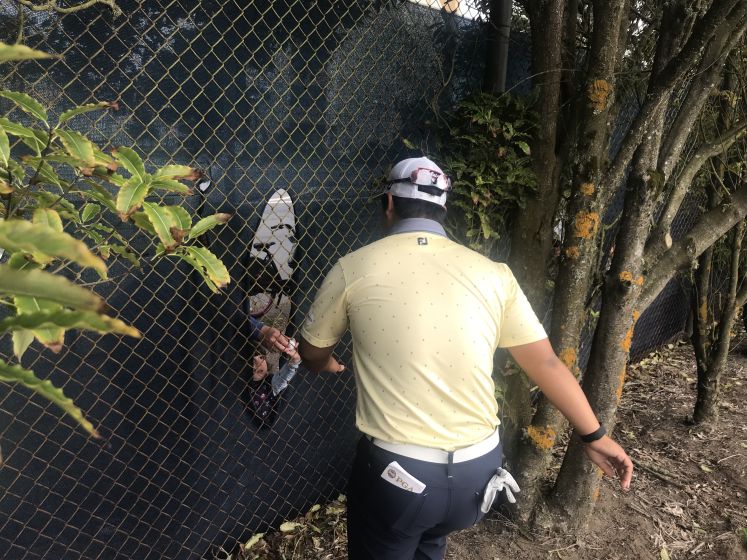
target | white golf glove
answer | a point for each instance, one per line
(502, 480)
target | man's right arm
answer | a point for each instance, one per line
(326, 322)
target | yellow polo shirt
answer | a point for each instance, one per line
(426, 316)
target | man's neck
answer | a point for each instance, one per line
(410, 225)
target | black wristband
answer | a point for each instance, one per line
(594, 436)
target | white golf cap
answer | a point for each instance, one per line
(418, 178)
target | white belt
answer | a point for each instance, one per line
(437, 455)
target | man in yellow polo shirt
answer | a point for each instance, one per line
(427, 316)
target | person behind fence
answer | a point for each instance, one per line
(426, 316)
(265, 391)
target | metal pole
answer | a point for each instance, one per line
(496, 58)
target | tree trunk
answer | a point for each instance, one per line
(709, 378)
(576, 262)
(496, 57)
(575, 492)
(576, 489)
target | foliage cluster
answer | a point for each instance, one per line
(51, 241)
(482, 145)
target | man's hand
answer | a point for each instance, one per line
(606, 454)
(274, 340)
(333, 366)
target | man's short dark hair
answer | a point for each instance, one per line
(414, 208)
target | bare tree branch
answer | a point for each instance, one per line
(711, 225)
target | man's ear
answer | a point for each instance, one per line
(390, 205)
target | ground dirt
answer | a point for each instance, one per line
(688, 496)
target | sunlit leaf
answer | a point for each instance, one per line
(67, 115)
(21, 52)
(182, 219)
(40, 284)
(28, 104)
(20, 235)
(170, 185)
(16, 374)
(89, 211)
(215, 269)
(48, 175)
(21, 341)
(289, 526)
(208, 223)
(186, 258)
(130, 256)
(178, 172)
(141, 220)
(48, 217)
(101, 195)
(131, 162)
(104, 160)
(115, 178)
(131, 197)
(162, 221)
(67, 319)
(78, 145)
(4, 148)
(74, 162)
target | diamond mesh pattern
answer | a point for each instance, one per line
(310, 96)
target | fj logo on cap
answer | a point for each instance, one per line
(422, 241)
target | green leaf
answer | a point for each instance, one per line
(21, 52)
(162, 221)
(115, 178)
(48, 175)
(104, 160)
(89, 211)
(101, 195)
(49, 218)
(178, 172)
(131, 197)
(409, 144)
(40, 284)
(131, 162)
(78, 145)
(16, 374)
(4, 148)
(186, 258)
(208, 223)
(122, 251)
(28, 104)
(182, 219)
(215, 269)
(74, 162)
(706, 469)
(67, 319)
(170, 185)
(20, 235)
(21, 341)
(664, 554)
(37, 141)
(141, 220)
(67, 115)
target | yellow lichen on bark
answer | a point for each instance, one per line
(625, 344)
(542, 438)
(572, 253)
(619, 391)
(586, 224)
(568, 356)
(639, 281)
(704, 309)
(596, 494)
(636, 314)
(626, 276)
(587, 189)
(599, 91)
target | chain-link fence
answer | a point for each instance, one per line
(310, 97)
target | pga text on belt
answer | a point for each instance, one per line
(426, 316)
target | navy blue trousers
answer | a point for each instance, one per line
(386, 522)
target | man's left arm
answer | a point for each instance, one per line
(555, 380)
